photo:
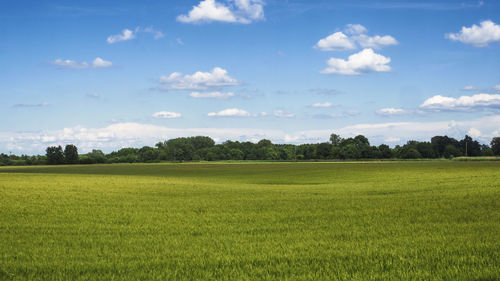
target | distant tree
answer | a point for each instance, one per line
(409, 152)
(324, 150)
(385, 151)
(439, 144)
(451, 151)
(335, 139)
(148, 154)
(70, 154)
(495, 146)
(425, 149)
(55, 155)
(470, 146)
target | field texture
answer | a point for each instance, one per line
(252, 221)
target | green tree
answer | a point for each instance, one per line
(55, 155)
(70, 154)
(495, 146)
(451, 151)
(335, 139)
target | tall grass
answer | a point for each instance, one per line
(253, 221)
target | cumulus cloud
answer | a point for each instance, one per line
(216, 78)
(126, 34)
(477, 35)
(355, 29)
(100, 63)
(167, 115)
(391, 111)
(212, 95)
(237, 11)
(322, 104)
(463, 103)
(496, 87)
(336, 42)
(473, 132)
(97, 63)
(362, 62)
(230, 112)
(376, 41)
(121, 135)
(339, 41)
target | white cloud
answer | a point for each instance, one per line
(121, 135)
(97, 63)
(362, 62)
(322, 104)
(167, 115)
(237, 11)
(496, 87)
(283, 114)
(478, 36)
(391, 111)
(339, 41)
(100, 63)
(212, 95)
(126, 34)
(336, 42)
(469, 88)
(217, 78)
(355, 29)
(475, 102)
(157, 34)
(392, 139)
(69, 64)
(376, 41)
(230, 112)
(473, 132)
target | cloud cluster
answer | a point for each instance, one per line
(477, 35)
(352, 36)
(212, 95)
(128, 34)
(322, 104)
(391, 111)
(96, 63)
(230, 112)
(216, 78)
(362, 62)
(167, 115)
(463, 103)
(237, 11)
(120, 135)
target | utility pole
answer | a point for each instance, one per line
(466, 149)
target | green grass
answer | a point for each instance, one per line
(251, 221)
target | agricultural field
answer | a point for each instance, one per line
(433, 220)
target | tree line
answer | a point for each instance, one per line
(201, 148)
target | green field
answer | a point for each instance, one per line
(251, 221)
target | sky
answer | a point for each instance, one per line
(112, 74)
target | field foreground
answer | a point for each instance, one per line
(251, 221)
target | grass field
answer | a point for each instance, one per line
(252, 221)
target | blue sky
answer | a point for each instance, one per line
(108, 74)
